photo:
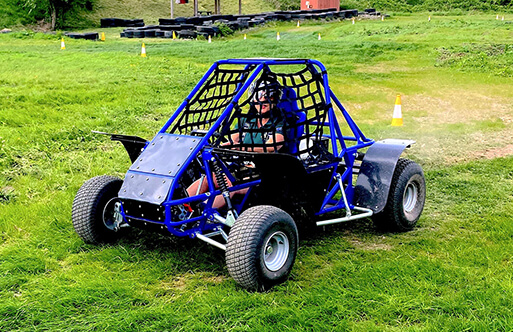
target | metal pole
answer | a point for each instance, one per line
(210, 241)
(366, 213)
(195, 8)
(172, 7)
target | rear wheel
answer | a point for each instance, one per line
(405, 199)
(262, 247)
(93, 212)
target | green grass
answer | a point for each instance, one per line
(452, 273)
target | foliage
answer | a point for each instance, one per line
(58, 13)
(11, 14)
(224, 29)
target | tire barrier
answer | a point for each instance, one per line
(187, 34)
(191, 27)
(138, 33)
(86, 35)
(119, 22)
(149, 33)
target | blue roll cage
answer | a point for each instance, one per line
(348, 154)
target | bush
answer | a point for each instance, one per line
(59, 13)
(224, 30)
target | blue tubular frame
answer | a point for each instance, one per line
(337, 183)
(329, 204)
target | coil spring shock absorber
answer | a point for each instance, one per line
(222, 183)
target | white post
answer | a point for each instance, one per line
(172, 7)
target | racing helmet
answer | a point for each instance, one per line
(268, 88)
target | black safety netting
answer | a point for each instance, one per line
(281, 112)
(207, 105)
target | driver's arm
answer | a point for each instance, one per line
(271, 142)
(234, 139)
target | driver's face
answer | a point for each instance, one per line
(262, 105)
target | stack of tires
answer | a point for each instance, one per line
(120, 22)
(192, 27)
(85, 35)
(208, 30)
(184, 31)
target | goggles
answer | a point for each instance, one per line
(259, 95)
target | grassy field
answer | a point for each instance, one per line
(453, 273)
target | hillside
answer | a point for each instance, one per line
(17, 13)
(152, 10)
(87, 13)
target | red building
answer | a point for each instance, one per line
(319, 4)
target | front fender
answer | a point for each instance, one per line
(376, 172)
(133, 144)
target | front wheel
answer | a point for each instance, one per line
(405, 199)
(262, 247)
(93, 211)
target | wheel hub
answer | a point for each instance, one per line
(410, 196)
(276, 251)
(112, 217)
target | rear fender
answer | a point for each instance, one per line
(376, 172)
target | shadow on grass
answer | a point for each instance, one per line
(185, 255)
(310, 234)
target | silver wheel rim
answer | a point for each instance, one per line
(110, 215)
(410, 197)
(276, 251)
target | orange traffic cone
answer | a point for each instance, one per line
(209, 39)
(278, 36)
(143, 51)
(63, 46)
(319, 37)
(244, 36)
(397, 118)
(174, 35)
(102, 38)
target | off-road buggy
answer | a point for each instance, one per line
(322, 172)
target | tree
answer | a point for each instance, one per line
(55, 11)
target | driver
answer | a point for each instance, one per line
(261, 131)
